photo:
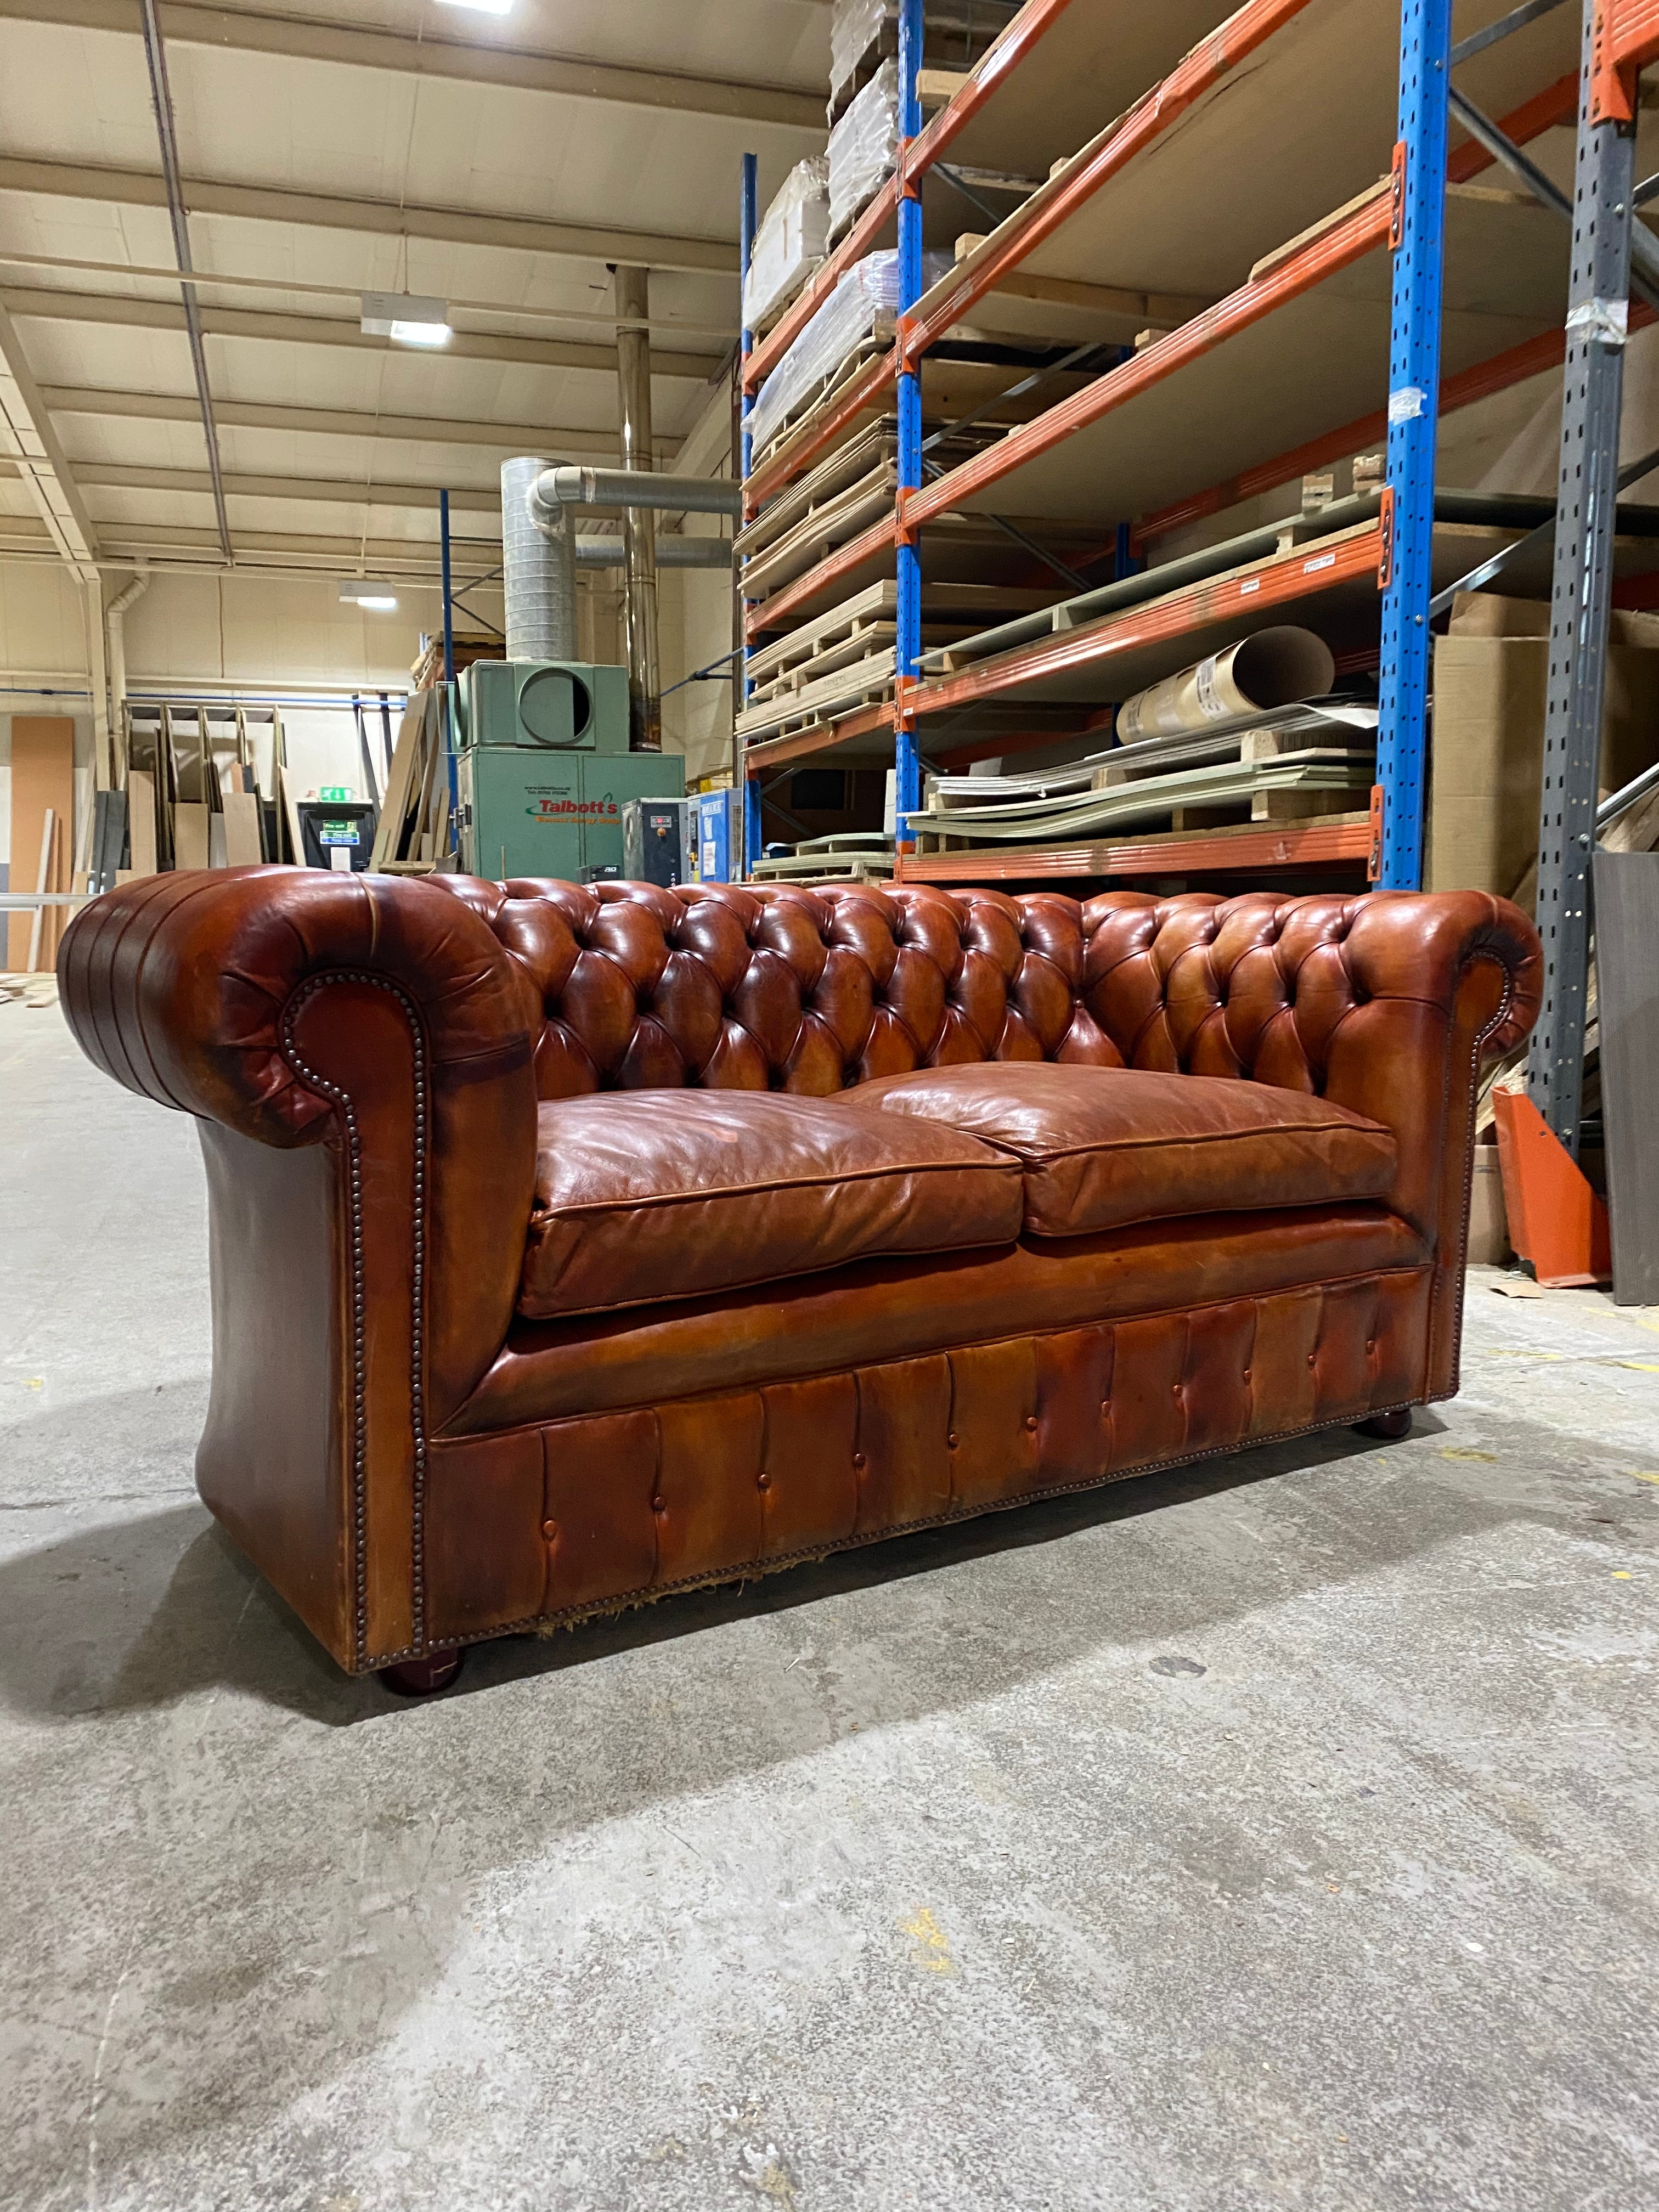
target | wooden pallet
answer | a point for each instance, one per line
(855, 457)
(947, 609)
(838, 693)
(814, 657)
(820, 531)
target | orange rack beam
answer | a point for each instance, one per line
(1205, 65)
(1286, 577)
(1346, 242)
(1320, 844)
(1626, 37)
(767, 614)
(770, 753)
(1558, 103)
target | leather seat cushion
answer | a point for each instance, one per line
(1103, 1147)
(646, 1195)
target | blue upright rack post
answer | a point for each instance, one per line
(1416, 233)
(747, 223)
(908, 643)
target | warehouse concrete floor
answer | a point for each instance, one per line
(1284, 1833)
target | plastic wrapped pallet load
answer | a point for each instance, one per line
(791, 242)
(1277, 667)
(954, 34)
(866, 298)
(864, 147)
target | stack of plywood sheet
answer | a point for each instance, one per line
(42, 834)
(1285, 765)
(203, 791)
(415, 834)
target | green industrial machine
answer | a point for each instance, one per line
(543, 769)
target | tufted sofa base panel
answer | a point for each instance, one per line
(889, 1309)
(553, 1520)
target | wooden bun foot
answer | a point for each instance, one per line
(1390, 1427)
(422, 1678)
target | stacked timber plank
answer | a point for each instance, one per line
(415, 832)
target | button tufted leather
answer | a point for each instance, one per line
(739, 986)
(364, 1055)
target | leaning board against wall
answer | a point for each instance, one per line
(41, 852)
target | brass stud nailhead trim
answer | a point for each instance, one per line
(342, 1099)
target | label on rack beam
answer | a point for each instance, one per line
(1324, 560)
(1405, 404)
(1253, 584)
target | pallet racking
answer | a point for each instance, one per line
(1436, 281)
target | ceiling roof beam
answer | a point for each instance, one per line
(435, 56)
(333, 422)
(393, 557)
(224, 280)
(32, 446)
(161, 100)
(122, 312)
(445, 225)
(119, 475)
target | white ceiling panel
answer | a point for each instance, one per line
(99, 353)
(414, 145)
(783, 42)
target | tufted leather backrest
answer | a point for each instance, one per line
(740, 987)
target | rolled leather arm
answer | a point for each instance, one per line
(180, 986)
(374, 1014)
(1386, 1003)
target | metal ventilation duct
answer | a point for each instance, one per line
(538, 569)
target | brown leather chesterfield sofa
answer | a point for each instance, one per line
(572, 1246)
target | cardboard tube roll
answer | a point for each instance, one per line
(1277, 667)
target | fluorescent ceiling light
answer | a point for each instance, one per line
(406, 319)
(481, 6)
(359, 592)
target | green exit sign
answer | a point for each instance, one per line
(335, 790)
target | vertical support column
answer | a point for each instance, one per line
(1598, 289)
(633, 290)
(103, 752)
(1416, 233)
(748, 223)
(449, 604)
(909, 620)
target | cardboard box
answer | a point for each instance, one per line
(1491, 681)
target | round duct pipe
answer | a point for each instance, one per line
(538, 569)
(672, 552)
(558, 487)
